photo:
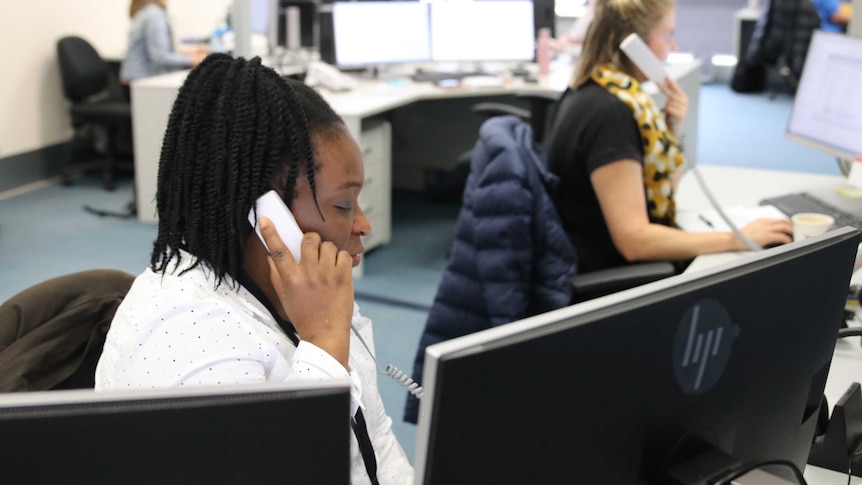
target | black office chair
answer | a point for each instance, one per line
(539, 114)
(97, 105)
(511, 258)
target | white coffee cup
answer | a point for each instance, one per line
(807, 224)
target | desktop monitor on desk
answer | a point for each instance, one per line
(358, 34)
(486, 30)
(253, 433)
(727, 363)
(270, 18)
(307, 23)
(827, 109)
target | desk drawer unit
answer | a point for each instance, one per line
(376, 196)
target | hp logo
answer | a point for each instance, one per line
(704, 340)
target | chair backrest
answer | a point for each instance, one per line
(83, 71)
(511, 257)
(51, 334)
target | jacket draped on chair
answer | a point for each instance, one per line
(511, 257)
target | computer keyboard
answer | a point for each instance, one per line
(434, 76)
(804, 202)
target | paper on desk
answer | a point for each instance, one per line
(854, 178)
(741, 215)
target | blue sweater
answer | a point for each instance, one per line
(151, 49)
(511, 257)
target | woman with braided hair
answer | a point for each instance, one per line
(618, 155)
(214, 306)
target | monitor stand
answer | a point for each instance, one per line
(844, 165)
(843, 437)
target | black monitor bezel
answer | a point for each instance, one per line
(245, 433)
(598, 309)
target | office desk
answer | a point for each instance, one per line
(741, 186)
(364, 110)
(734, 186)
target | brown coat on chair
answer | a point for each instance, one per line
(51, 334)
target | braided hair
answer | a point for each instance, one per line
(236, 130)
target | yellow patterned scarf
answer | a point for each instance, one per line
(662, 153)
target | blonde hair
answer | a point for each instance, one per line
(613, 21)
(139, 4)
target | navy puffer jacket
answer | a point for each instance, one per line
(511, 257)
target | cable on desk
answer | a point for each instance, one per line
(714, 202)
(850, 332)
(742, 470)
(855, 456)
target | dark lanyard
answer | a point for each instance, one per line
(357, 422)
(365, 448)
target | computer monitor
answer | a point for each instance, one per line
(307, 22)
(375, 33)
(482, 30)
(272, 433)
(545, 16)
(623, 388)
(827, 108)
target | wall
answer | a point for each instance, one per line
(31, 100)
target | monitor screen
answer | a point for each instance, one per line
(269, 17)
(371, 33)
(827, 109)
(622, 389)
(267, 433)
(307, 22)
(482, 30)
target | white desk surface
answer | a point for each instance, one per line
(371, 97)
(741, 186)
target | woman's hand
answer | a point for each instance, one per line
(676, 106)
(196, 52)
(317, 293)
(767, 232)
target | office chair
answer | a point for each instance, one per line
(511, 258)
(539, 113)
(52, 334)
(96, 104)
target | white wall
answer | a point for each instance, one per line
(32, 107)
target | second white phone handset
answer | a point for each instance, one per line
(271, 206)
(640, 54)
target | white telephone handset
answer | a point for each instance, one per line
(271, 206)
(640, 54)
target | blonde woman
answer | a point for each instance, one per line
(618, 155)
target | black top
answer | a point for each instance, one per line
(593, 128)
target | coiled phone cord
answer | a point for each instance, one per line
(391, 371)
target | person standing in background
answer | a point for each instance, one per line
(834, 14)
(151, 46)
